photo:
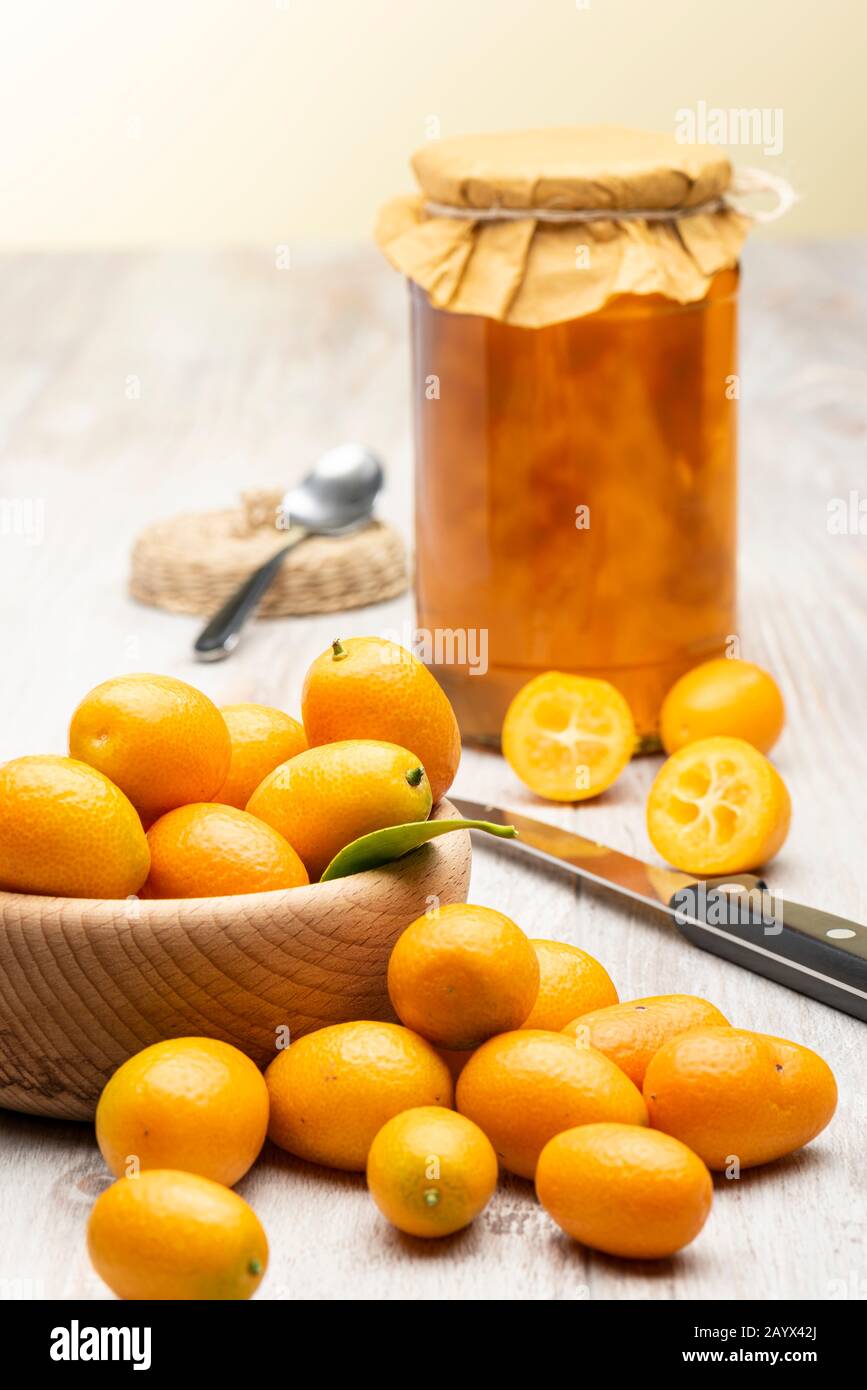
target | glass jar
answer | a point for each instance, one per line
(575, 497)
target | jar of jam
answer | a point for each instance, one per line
(574, 331)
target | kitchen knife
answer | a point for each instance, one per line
(737, 917)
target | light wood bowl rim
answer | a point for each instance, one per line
(166, 912)
(87, 982)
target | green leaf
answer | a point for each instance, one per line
(384, 846)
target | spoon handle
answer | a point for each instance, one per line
(220, 637)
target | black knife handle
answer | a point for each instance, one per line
(813, 952)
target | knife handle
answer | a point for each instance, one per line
(813, 952)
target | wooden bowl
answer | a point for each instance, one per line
(85, 982)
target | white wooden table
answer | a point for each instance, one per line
(134, 387)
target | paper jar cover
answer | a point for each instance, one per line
(531, 272)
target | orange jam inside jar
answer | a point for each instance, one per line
(576, 497)
(575, 402)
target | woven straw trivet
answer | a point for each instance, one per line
(191, 564)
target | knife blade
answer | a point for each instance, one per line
(738, 918)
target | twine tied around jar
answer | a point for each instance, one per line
(745, 183)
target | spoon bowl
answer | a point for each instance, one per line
(336, 496)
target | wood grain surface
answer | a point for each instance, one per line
(84, 984)
(134, 387)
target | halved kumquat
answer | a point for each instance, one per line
(568, 737)
(718, 807)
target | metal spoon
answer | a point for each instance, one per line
(337, 496)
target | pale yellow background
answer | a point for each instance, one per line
(282, 122)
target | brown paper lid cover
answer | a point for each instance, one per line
(530, 271)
